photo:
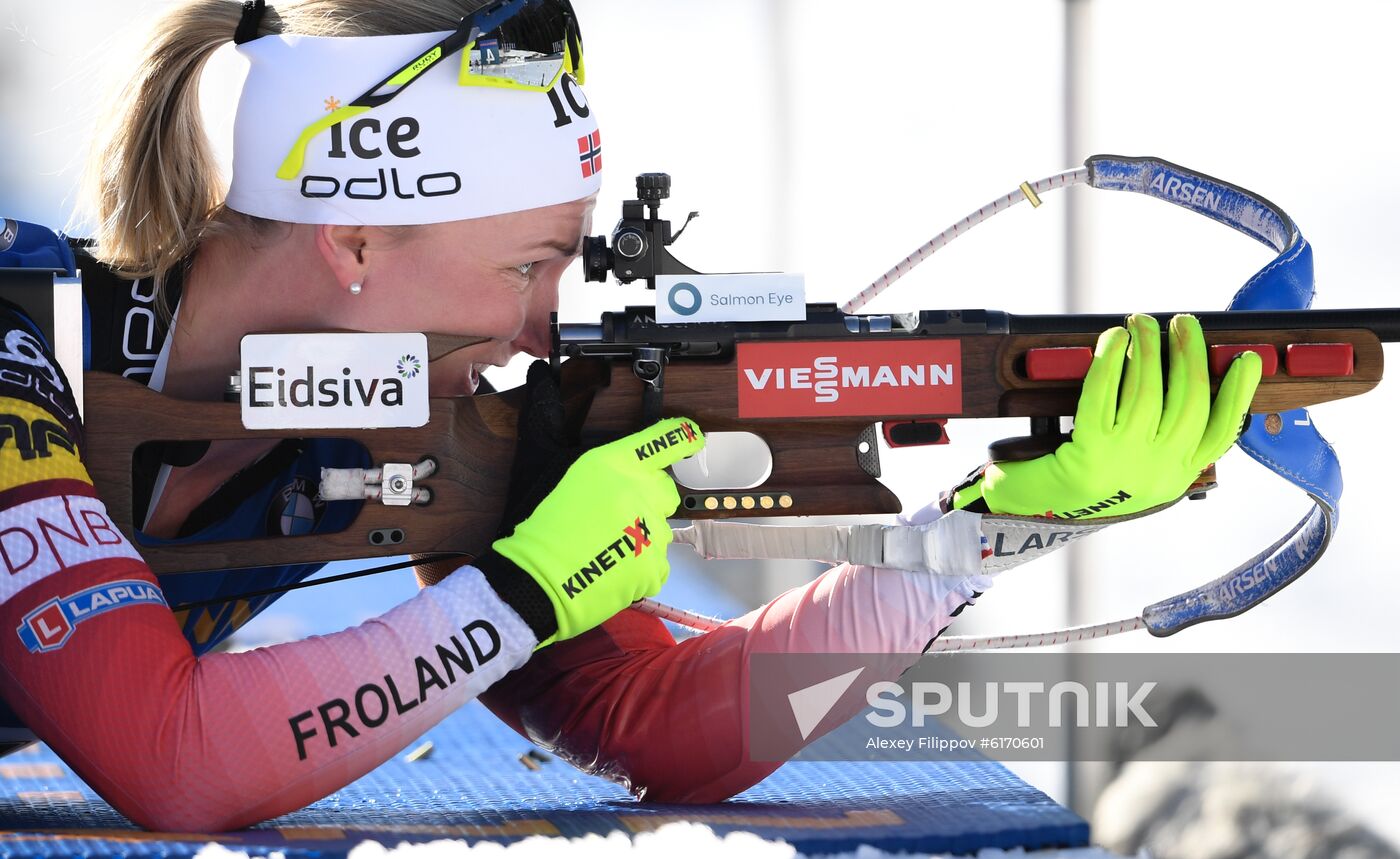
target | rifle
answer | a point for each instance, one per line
(821, 466)
(820, 392)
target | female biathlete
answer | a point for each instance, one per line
(398, 167)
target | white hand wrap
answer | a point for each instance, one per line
(959, 543)
(949, 546)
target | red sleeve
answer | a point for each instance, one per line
(93, 661)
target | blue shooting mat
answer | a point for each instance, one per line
(474, 787)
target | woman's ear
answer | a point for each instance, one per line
(342, 248)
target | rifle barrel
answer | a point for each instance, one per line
(616, 332)
(1384, 321)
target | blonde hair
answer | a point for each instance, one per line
(151, 185)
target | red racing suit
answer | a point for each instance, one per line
(93, 661)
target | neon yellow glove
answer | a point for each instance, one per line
(1133, 451)
(597, 542)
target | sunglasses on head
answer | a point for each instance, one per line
(513, 44)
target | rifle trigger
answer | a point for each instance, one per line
(649, 365)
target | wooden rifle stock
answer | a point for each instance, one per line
(817, 462)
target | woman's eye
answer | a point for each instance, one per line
(525, 269)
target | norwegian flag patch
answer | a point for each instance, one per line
(590, 154)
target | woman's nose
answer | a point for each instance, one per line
(533, 340)
(534, 337)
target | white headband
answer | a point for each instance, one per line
(436, 152)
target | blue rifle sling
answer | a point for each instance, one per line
(1290, 446)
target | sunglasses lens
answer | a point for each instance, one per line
(530, 48)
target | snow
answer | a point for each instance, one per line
(672, 841)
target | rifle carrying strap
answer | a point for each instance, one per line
(957, 545)
(1288, 444)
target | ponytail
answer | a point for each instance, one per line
(152, 185)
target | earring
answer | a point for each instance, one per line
(356, 288)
